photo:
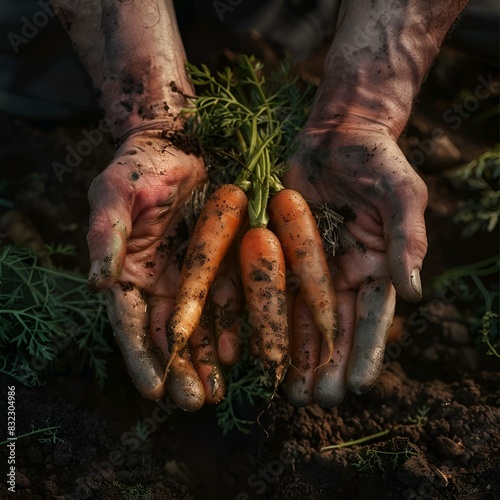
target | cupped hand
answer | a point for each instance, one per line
(136, 239)
(363, 175)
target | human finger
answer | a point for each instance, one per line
(205, 362)
(161, 304)
(183, 383)
(111, 199)
(226, 308)
(375, 306)
(330, 380)
(405, 234)
(182, 380)
(305, 345)
(128, 315)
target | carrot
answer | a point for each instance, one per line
(296, 229)
(263, 277)
(218, 224)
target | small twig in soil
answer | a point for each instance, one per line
(356, 441)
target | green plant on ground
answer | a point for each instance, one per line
(421, 417)
(388, 453)
(485, 298)
(142, 430)
(355, 442)
(246, 385)
(45, 315)
(488, 334)
(373, 459)
(49, 434)
(417, 421)
(478, 281)
(481, 210)
(135, 491)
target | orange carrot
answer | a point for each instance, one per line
(218, 224)
(296, 229)
(263, 277)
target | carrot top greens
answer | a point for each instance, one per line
(247, 123)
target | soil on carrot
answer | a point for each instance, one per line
(433, 415)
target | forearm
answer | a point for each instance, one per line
(379, 58)
(134, 55)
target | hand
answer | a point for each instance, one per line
(364, 175)
(136, 238)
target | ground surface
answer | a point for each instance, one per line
(438, 396)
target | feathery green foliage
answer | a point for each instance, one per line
(46, 314)
(480, 212)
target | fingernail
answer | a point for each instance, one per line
(214, 382)
(415, 281)
(95, 269)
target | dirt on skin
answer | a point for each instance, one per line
(435, 407)
(183, 141)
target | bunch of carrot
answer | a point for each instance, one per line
(292, 242)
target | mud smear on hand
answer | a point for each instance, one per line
(183, 141)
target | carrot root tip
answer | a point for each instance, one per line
(167, 368)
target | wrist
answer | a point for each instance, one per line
(131, 108)
(330, 115)
(378, 60)
(349, 107)
(134, 55)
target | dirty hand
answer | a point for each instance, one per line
(136, 239)
(135, 58)
(348, 157)
(366, 177)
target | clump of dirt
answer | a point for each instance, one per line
(436, 439)
(441, 443)
(183, 141)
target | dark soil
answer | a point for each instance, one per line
(437, 397)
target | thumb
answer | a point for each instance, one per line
(111, 200)
(406, 239)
